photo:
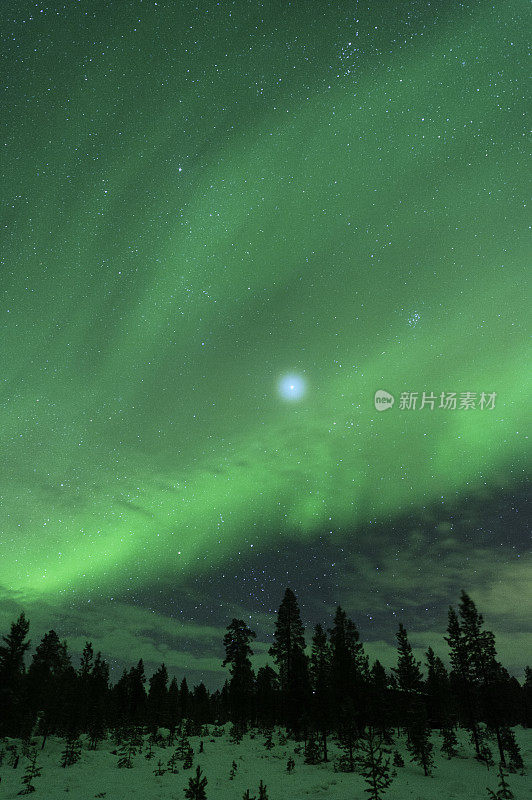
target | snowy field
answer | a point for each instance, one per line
(96, 775)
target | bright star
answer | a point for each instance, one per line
(292, 387)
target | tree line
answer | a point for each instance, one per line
(327, 690)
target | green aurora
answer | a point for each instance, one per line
(199, 201)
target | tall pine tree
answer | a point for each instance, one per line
(349, 677)
(288, 651)
(320, 666)
(237, 654)
(157, 703)
(12, 670)
(476, 673)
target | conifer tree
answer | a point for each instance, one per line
(27, 746)
(320, 666)
(485, 755)
(398, 760)
(482, 681)
(136, 693)
(184, 698)
(98, 698)
(268, 741)
(373, 764)
(149, 750)
(196, 787)
(408, 672)
(173, 710)
(266, 694)
(31, 772)
(13, 756)
(173, 763)
(485, 672)
(183, 744)
(418, 743)
(13, 650)
(450, 742)
(159, 770)
(12, 670)
(71, 751)
(201, 704)
(380, 708)
(157, 702)
(312, 751)
(262, 792)
(48, 675)
(237, 654)
(461, 673)
(526, 694)
(129, 747)
(288, 652)
(86, 663)
(349, 679)
(96, 731)
(503, 792)
(509, 743)
(438, 691)
(188, 759)
(236, 732)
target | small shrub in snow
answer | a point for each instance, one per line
(189, 757)
(159, 768)
(449, 743)
(31, 772)
(27, 747)
(71, 752)
(173, 763)
(312, 751)
(261, 796)
(236, 733)
(96, 733)
(183, 746)
(373, 764)
(503, 792)
(12, 755)
(196, 787)
(485, 756)
(398, 759)
(268, 741)
(130, 746)
(149, 751)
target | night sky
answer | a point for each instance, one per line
(225, 226)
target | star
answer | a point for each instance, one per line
(292, 387)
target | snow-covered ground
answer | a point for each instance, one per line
(96, 775)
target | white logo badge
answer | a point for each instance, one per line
(383, 400)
